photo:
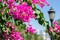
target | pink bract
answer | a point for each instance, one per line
(40, 2)
(50, 30)
(31, 30)
(56, 27)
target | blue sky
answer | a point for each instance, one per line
(55, 4)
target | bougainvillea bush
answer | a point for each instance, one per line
(13, 14)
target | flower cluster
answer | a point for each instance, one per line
(10, 24)
(40, 2)
(22, 12)
(31, 30)
(13, 36)
(6, 36)
(56, 27)
(16, 35)
(0, 0)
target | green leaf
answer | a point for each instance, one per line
(37, 11)
(17, 1)
(34, 7)
(18, 22)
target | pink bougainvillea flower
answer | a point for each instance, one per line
(6, 36)
(8, 24)
(50, 30)
(0, 0)
(11, 25)
(44, 1)
(57, 31)
(7, 31)
(40, 2)
(20, 0)
(31, 30)
(42, 5)
(0, 39)
(56, 27)
(34, 1)
(55, 23)
(16, 36)
(11, 1)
